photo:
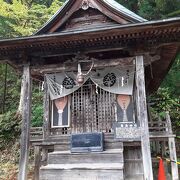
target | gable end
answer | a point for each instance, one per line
(85, 13)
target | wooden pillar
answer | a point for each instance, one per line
(5, 89)
(25, 130)
(143, 118)
(172, 149)
(46, 122)
(163, 148)
(37, 159)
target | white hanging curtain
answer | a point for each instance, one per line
(114, 80)
(62, 84)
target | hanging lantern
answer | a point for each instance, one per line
(60, 105)
(80, 75)
(80, 78)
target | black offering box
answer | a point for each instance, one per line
(86, 142)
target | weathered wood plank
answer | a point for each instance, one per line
(25, 130)
(37, 161)
(173, 157)
(98, 63)
(168, 120)
(66, 157)
(133, 165)
(172, 150)
(46, 122)
(82, 173)
(143, 118)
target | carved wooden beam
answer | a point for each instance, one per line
(72, 66)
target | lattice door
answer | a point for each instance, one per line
(92, 109)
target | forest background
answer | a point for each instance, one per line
(25, 17)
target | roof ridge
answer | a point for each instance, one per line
(120, 7)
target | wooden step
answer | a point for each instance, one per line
(133, 166)
(112, 144)
(61, 138)
(83, 171)
(64, 146)
(108, 144)
(135, 177)
(66, 157)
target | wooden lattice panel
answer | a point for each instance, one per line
(92, 109)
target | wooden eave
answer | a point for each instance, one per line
(140, 38)
(151, 33)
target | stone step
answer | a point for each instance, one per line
(66, 157)
(83, 171)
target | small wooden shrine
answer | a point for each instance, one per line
(98, 60)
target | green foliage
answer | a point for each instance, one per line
(12, 88)
(163, 101)
(173, 78)
(148, 10)
(37, 115)
(37, 106)
(13, 95)
(165, 7)
(157, 9)
(170, 93)
(153, 9)
(174, 13)
(9, 128)
(130, 4)
(22, 18)
(17, 14)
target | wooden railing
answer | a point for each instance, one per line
(159, 127)
(36, 134)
